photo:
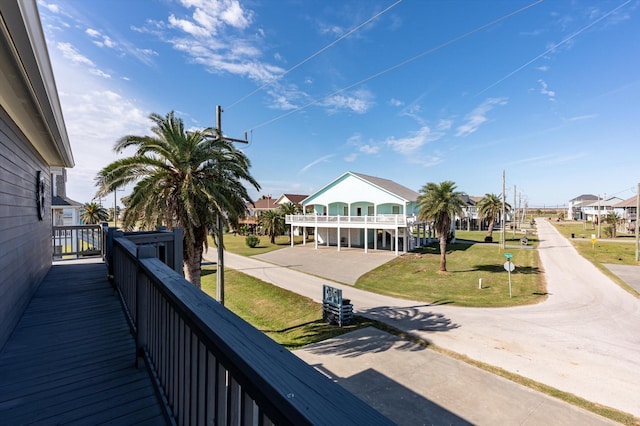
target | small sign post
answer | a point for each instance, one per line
(593, 241)
(510, 267)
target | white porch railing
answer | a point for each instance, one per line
(381, 220)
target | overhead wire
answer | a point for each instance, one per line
(555, 46)
(308, 58)
(400, 64)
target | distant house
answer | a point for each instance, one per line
(628, 212)
(295, 199)
(574, 211)
(356, 210)
(596, 210)
(33, 139)
(65, 211)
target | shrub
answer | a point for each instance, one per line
(252, 241)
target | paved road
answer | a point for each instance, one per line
(583, 339)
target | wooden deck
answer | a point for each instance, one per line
(70, 359)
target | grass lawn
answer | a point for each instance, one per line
(288, 318)
(478, 236)
(236, 244)
(415, 276)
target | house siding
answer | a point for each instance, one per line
(25, 241)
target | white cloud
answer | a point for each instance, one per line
(582, 117)
(359, 101)
(410, 144)
(444, 124)
(395, 102)
(479, 116)
(99, 73)
(543, 68)
(70, 53)
(351, 157)
(545, 91)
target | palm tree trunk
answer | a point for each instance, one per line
(490, 231)
(192, 266)
(443, 252)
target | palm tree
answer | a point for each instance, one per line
(289, 209)
(489, 208)
(440, 203)
(92, 213)
(612, 219)
(182, 179)
(272, 222)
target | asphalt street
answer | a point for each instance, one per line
(583, 339)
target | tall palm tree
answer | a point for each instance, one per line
(272, 222)
(92, 213)
(182, 179)
(612, 219)
(440, 203)
(489, 208)
(289, 209)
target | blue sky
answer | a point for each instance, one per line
(413, 91)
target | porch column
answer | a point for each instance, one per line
(338, 233)
(366, 235)
(406, 240)
(304, 235)
(327, 236)
(375, 239)
(397, 231)
(291, 235)
(315, 236)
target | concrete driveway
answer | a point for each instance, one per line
(583, 339)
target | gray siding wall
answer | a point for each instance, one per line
(25, 241)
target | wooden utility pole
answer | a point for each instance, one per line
(637, 221)
(502, 230)
(219, 220)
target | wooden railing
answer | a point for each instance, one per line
(212, 367)
(72, 242)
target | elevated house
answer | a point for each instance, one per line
(65, 211)
(575, 207)
(596, 210)
(628, 213)
(295, 199)
(357, 210)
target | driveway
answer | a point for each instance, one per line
(583, 339)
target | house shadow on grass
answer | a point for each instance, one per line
(493, 268)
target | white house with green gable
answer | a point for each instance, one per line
(357, 210)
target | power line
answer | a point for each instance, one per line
(575, 34)
(400, 64)
(333, 43)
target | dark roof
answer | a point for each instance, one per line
(64, 202)
(391, 186)
(585, 197)
(267, 203)
(295, 198)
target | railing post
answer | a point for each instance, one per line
(178, 241)
(142, 303)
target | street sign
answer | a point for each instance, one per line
(508, 255)
(508, 266)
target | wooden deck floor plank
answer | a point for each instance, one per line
(71, 356)
(59, 404)
(60, 377)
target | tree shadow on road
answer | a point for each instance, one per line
(397, 319)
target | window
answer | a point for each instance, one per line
(345, 211)
(370, 211)
(359, 211)
(395, 209)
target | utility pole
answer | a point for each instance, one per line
(219, 221)
(502, 230)
(599, 218)
(514, 210)
(637, 222)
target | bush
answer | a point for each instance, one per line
(252, 241)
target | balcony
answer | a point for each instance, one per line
(176, 357)
(384, 221)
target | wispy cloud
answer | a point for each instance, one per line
(358, 101)
(410, 144)
(324, 159)
(478, 116)
(73, 55)
(582, 117)
(545, 90)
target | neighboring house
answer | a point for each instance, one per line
(574, 211)
(65, 211)
(469, 218)
(295, 199)
(33, 139)
(590, 211)
(357, 210)
(255, 209)
(628, 212)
